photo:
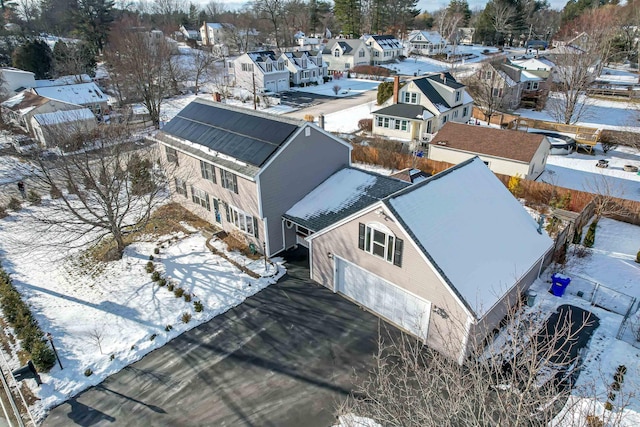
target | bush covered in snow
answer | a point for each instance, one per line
(590, 237)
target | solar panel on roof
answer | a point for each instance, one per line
(246, 137)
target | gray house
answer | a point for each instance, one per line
(242, 169)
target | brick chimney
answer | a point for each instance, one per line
(396, 88)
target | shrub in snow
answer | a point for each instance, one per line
(14, 204)
(168, 328)
(577, 237)
(170, 286)
(178, 292)
(150, 257)
(150, 267)
(112, 357)
(309, 118)
(156, 251)
(187, 297)
(590, 237)
(152, 337)
(3, 212)
(18, 314)
(162, 281)
(638, 257)
(594, 421)
(336, 89)
(34, 198)
(88, 372)
(186, 317)
(55, 192)
(155, 276)
(197, 305)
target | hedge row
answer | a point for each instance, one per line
(19, 316)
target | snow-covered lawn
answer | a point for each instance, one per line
(105, 319)
(348, 87)
(346, 121)
(611, 264)
(579, 172)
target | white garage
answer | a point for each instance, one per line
(270, 85)
(402, 308)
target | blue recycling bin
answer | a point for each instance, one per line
(559, 283)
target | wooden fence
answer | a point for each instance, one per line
(500, 119)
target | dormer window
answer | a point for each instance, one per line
(269, 67)
(336, 53)
(410, 98)
(457, 96)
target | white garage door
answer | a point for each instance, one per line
(384, 298)
(270, 85)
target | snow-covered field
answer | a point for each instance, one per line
(348, 87)
(105, 319)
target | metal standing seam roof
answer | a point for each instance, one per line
(242, 134)
(323, 215)
(407, 111)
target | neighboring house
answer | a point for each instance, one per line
(189, 33)
(242, 170)
(305, 68)
(341, 55)
(536, 78)
(48, 128)
(411, 175)
(64, 80)
(383, 48)
(85, 94)
(465, 35)
(15, 80)
(501, 84)
(569, 58)
(444, 259)
(212, 33)
(418, 109)
(506, 152)
(306, 43)
(19, 109)
(426, 43)
(267, 68)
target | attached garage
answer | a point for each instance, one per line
(270, 85)
(393, 303)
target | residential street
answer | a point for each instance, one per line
(285, 357)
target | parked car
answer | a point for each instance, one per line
(560, 144)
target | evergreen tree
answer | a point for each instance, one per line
(74, 59)
(590, 237)
(93, 20)
(575, 8)
(460, 7)
(34, 56)
(348, 13)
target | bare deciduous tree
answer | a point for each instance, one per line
(202, 64)
(141, 67)
(484, 86)
(520, 378)
(100, 194)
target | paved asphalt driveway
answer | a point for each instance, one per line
(285, 357)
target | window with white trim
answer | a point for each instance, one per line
(379, 121)
(181, 187)
(247, 67)
(379, 241)
(229, 180)
(242, 220)
(361, 53)
(336, 53)
(208, 171)
(410, 98)
(200, 197)
(457, 96)
(465, 110)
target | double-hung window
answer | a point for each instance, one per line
(200, 197)
(245, 222)
(172, 155)
(181, 187)
(208, 171)
(229, 180)
(410, 98)
(379, 241)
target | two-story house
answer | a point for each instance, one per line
(537, 76)
(419, 108)
(264, 69)
(384, 48)
(305, 67)
(341, 55)
(13, 80)
(242, 169)
(498, 85)
(426, 43)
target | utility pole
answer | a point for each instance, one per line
(253, 76)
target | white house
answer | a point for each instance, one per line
(48, 127)
(19, 109)
(384, 48)
(264, 68)
(419, 108)
(426, 43)
(305, 67)
(342, 55)
(15, 80)
(85, 94)
(506, 152)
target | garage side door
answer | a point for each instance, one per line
(383, 298)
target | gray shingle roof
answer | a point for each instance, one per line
(407, 111)
(342, 194)
(243, 134)
(448, 80)
(430, 92)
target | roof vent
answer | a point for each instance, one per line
(441, 142)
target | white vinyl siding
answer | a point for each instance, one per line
(200, 197)
(208, 171)
(229, 180)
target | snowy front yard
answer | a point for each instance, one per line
(106, 318)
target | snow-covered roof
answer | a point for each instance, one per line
(432, 37)
(508, 80)
(386, 42)
(526, 76)
(59, 117)
(533, 64)
(83, 93)
(24, 102)
(345, 192)
(474, 232)
(15, 70)
(64, 80)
